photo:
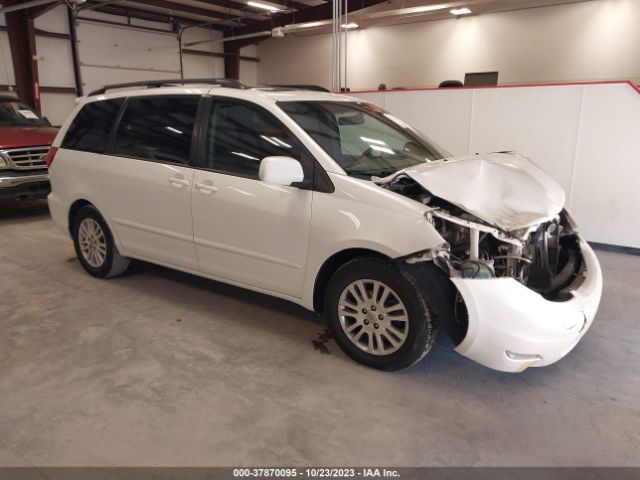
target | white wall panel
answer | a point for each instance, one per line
(541, 123)
(249, 70)
(606, 194)
(55, 65)
(56, 106)
(196, 66)
(55, 20)
(108, 45)
(202, 34)
(6, 65)
(451, 129)
(110, 54)
(55, 62)
(305, 60)
(379, 98)
(587, 137)
(113, 54)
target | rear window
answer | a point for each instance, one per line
(89, 131)
(157, 128)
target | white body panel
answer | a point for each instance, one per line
(149, 216)
(252, 232)
(505, 190)
(275, 239)
(504, 315)
(360, 214)
(72, 178)
(149, 204)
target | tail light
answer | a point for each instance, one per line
(51, 155)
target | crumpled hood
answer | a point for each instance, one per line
(504, 189)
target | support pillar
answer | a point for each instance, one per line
(22, 40)
(231, 60)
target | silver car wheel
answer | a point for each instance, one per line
(93, 243)
(373, 317)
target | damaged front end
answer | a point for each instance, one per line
(502, 218)
(546, 257)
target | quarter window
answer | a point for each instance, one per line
(158, 128)
(90, 129)
(240, 135)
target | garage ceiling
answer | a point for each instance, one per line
(238, 13)
(226, 12)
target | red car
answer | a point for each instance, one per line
(24, 143)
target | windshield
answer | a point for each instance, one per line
(363, 138)
(14, 113)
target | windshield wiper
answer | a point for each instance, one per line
(372, 173)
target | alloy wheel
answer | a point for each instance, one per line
(93, 243)
(373, 317)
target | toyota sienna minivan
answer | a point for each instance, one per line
(332, 203)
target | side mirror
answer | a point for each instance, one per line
(280, 170)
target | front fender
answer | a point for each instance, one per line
(362, 215)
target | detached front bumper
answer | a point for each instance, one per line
(24, 185)
(512, 327)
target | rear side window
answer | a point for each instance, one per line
(89, 131)
(157, 128)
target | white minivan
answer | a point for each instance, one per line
(332, 203)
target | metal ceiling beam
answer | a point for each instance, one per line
(183, 8)
(129, 12)
(186, 9)
(311, 14)
(297, 5)
(15, 6)
(35, 12)
(235, 5)
(242, 5)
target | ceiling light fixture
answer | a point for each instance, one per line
(311, 24)
(460, 11)
(349, 26)
(264, 6)
(428, 8)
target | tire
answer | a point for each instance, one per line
(105, 262)
(386, 350)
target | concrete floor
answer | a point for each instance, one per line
(162, 368)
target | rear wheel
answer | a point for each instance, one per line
(378, 315)
(94, 245)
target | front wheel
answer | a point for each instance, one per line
(378, 315)
(94, 244)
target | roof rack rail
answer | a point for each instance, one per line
(313, 88)
(223, 82)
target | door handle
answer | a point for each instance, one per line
(205, 187)
(179, 182)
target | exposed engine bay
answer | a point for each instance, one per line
(545, 256)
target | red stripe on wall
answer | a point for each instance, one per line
(611, 82)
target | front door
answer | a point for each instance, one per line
(246, 230)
